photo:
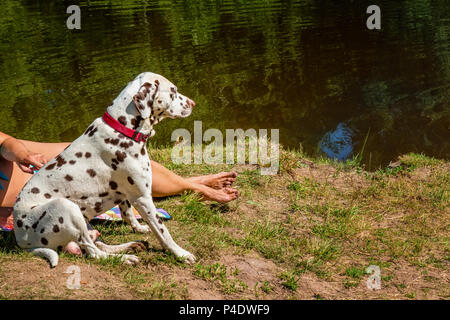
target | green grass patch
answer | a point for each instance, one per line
(218, 273)
(289, 280)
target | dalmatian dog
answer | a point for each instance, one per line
(106, 166)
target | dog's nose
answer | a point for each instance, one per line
(191, 103)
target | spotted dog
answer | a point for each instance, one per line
(102, 168)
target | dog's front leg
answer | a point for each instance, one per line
(147, 210)
(128, 217)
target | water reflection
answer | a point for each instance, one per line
(304, 67)
(337, 144)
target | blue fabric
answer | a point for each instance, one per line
(4, 177)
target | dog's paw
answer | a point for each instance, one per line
(130, 259)
(138, 246)
(188, 257)
(142, 228)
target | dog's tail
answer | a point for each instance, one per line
(46, 253)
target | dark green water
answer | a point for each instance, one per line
(310, 68)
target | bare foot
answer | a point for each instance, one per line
(220, 195)
(216, 181)
(75, 249)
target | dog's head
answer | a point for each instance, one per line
(164, 101)
(158, 97)
(151, 97)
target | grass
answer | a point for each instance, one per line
(289, 280)
(219, 273)
(266, 287)
(309, 232)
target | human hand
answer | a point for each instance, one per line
(27, 158)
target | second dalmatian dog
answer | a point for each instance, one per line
(106, 166)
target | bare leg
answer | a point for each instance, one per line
(167, 183)
(164, 182)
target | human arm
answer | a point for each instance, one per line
(14, 150)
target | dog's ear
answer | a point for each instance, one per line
(144, 98)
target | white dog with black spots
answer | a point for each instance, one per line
(99, 170)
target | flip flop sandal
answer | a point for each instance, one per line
(161, 213)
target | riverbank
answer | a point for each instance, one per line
(309, 232)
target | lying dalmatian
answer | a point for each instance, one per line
(106, 166)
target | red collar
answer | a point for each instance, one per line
(130, 133)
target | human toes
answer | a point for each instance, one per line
(228, 182)
(219, 195)
(225, 179)
(229, 175)
(232, 193)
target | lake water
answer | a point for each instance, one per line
(309, 68)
